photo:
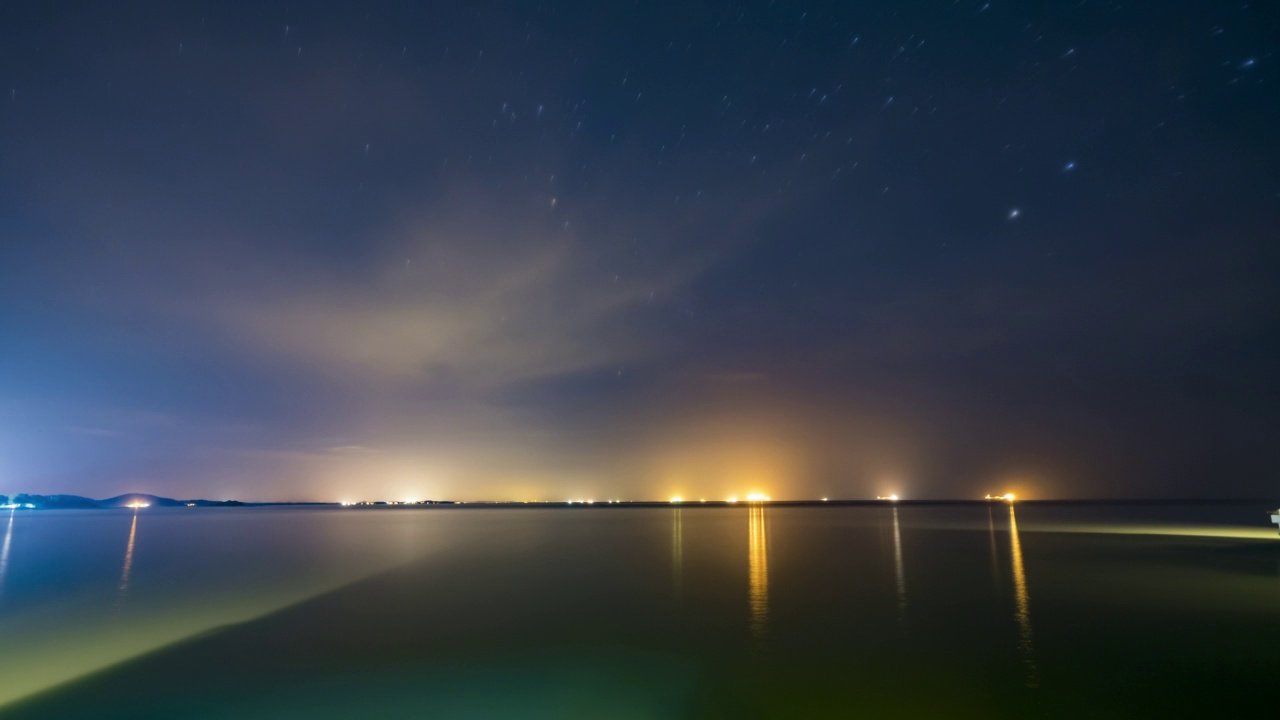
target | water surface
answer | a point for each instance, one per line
(759, 611)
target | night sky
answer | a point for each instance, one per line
(389, 250)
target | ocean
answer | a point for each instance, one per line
(762, 610)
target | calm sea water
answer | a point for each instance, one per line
(787, 612)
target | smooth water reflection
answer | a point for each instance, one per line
(677, 552)
(4, 551)
(758, 565)
(128, 561)
(1023, 601)
(991, 537)
(899, 573)
(81, 593)
(622, 613)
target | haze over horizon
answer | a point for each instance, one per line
(321, 251)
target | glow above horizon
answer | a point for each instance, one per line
(414, 279)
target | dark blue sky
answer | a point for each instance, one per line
(344, 250)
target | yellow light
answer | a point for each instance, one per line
(1008, 496)
(732, 500)
(135, 505)
(677, 499)
(893, 498)
(757, 497)
(591, 502)
(758, 568)
(824, 499)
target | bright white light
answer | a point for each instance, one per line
(591, 502)
(732, 500)
(757, 497)
(893, 498)
(824, 499)
(677, 499)
(1008, 496)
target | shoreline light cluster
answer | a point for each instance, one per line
(755, 497)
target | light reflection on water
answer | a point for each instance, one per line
(123, 589)
(991, 537)
(899, 574)
(75, 601)
(1023, 601)
(4, 551)
(1155, 529)
(758, 565)
(677, 552)
(596, 582)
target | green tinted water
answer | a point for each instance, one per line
(736, 612)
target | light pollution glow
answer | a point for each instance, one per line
(561, 318)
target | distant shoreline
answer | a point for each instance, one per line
(140, 501)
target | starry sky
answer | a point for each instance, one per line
(520, 250)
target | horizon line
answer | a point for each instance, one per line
(676, 502)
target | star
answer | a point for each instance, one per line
(1014, 213)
